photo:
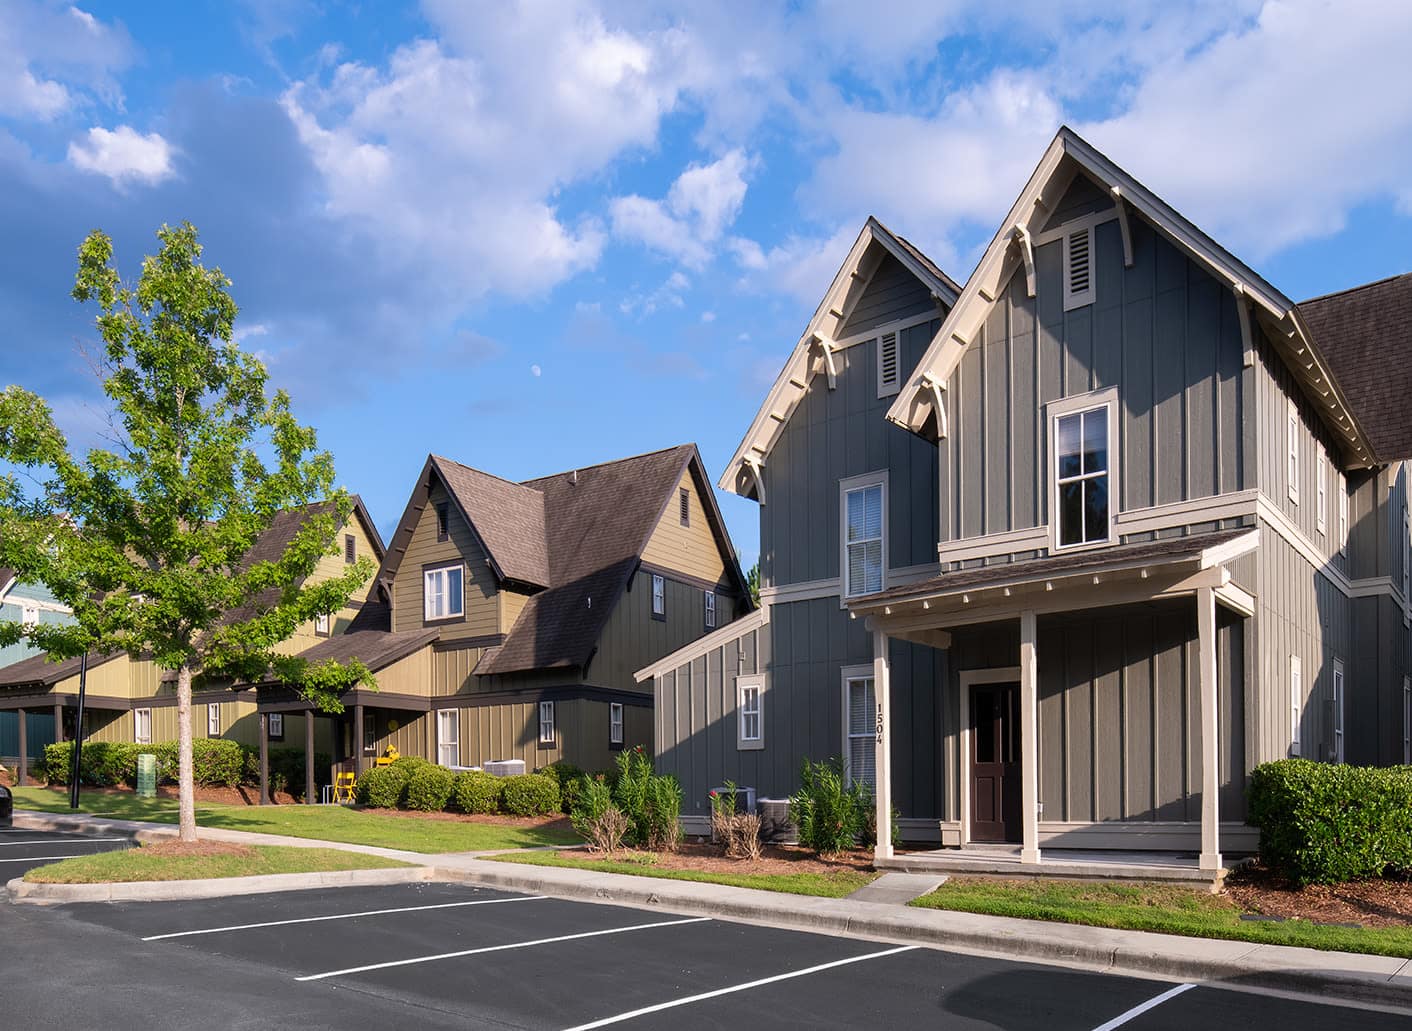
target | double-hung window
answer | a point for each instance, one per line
(1342, 515)
(29, 616)
(442, 592)
(659, 597)
(864, 520)
(1296, 704)
(277, 726)
(1338, 711)
(142, 726)
(1292, 450)
(750, 713)
(1084, 480)
(213, 719)
(1321, 470)
(546, 723)
(321, 624)
(615, 723)
(448, 737)
(709, 600)
(860, 724)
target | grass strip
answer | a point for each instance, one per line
(140, 864)
(319, 822)
(1163, 908)
(834, 885)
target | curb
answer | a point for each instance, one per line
(216, 887)
(1374, 980)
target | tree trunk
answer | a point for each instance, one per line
(186, 786)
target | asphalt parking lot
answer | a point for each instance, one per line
(22, 850)
(434, 955)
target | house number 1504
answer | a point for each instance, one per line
(880, 722)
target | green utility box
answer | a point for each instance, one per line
(147, 775)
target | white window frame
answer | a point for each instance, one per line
(1079, 404)
(846, 487)
(427, 592)
(276, 726)
(1407, 721)
(1339, 687)
(1292, 450)
(1296, 704)
(213, 719)
(1072, 298)
(851, 675)
(615, 723)
(659, 596)
(749, 690)
(1342, 514)
(29, 616)
(548, 735)
(1321, 472)
(886, 387)
(321, 624)
(370, 734)
(708, 599)
(448, 742)
(142, 726)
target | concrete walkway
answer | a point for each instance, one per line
(897, 889)
(1376, 980)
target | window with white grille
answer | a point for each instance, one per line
(889, 364)
(29, 616)
(1081, 440)
(443, 592)
(1342, 515)
(142, 726)
(1292, 450)
(1296, 703)
(659, 597)
(1078, 268)
(750, 713)
(546, 723)
(1321, 471)
(321, 624)
(709, 600)
(277, 726)
(1338, 711)
(864, 515)
(448, 737)
(615, 723)
(859, 717)
(213, 720)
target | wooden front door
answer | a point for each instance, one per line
(995, 762)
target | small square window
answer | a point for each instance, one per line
(659, 597)
(710, 602)
(213, 719)
(546, 723)
(442, 592)
(684, 504)
(276, 726)
(615, 723)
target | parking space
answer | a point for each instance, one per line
(450, 955)
(22, 850)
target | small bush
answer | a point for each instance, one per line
(382, 787)
(106, 764)
(661, 811)
(477, 792)
(830, 817)
(215, 762)
(596, 818)
(1322, 823)
(736, 832)
(429, 788)
(530, 794)
(570, 779)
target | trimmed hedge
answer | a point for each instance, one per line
(382, 787)
(1322, 823)
(428, 788)
(215, 762)
(531, 794)
(570, 779)
(477, 792)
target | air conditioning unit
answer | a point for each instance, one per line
(744, 798)
(505, 767)
(774, 821)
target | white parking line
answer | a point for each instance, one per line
(499, 948)
(739, 988)
(1139, 1010)
(52, 841)
(340, 916)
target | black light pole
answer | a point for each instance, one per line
(78, 731)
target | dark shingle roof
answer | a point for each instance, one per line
(597, 521)
(6, 575)
(376, 648)
(1365, 334)
(39, 671)
(508, 517)
(927, 263)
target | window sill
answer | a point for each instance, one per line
(460, 617)
(750, 746)
(659, 617)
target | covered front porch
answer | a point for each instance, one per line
(1104, 686)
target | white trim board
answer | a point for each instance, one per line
(702, 645)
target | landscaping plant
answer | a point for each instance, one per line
(736, 832)
(428, 788)
(652, 803)
(475, 791)
(383, 787)
(570, 779)
(531, 794)
(597, 819)
(830, 815)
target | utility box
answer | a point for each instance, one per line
(147, 775)
(7, 806)
(505, 767)
(775, 826)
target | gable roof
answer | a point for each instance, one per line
(1068, 155)
(807, 359)
(38, 671)
(507, 517)
(1366, 335)
(7, 580)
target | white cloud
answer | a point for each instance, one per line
(123, 155)
(53, 57)
(668, 295)
(708, 317)
(536, 371)
(700, 205)
(800, 266)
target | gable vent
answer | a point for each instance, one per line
(889, 365)
(1078, 268)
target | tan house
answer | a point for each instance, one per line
(507, 618)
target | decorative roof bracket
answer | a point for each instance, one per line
(1022, 237)
(827, 348)
(1123, 226)
(1247, 337)
(754, 467)
(935, 388)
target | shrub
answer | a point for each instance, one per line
(215, 762)
(1322, 823)
(830, 816)
(570, 779)
(661, 809)
(477, 792)
(382, 787)
(634, 770)
(597, 819)
(530, 794)
(736, 832)
(106, 764)
(429, 788)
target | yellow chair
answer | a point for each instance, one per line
(343, 789)
(388, 757)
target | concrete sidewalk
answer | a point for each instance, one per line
(1375, 980)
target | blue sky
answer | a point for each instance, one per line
(538, 236)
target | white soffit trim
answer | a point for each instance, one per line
(1044, 189)
(810, 354)
(699, 647)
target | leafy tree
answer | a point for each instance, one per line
(149, 539)
(752, 581)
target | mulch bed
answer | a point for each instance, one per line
(1381, 903)
(775, 859)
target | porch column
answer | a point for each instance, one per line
(309, 757)
(1210, 750)
(58, 721)
(882, 755)
(23, 771)
(264, 758)
(358, 740)
(1029, 741)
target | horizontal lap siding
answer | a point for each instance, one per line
(691, 549)
(482, 612)
(1164, 332)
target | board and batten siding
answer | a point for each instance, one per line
(893, 293)
(690, 549)
(831, 436)
(482, 613)
(511, 731)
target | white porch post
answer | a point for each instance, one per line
(1029, 740)
(1210, 750)
(882, 756)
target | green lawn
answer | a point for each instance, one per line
(323, 822)
(1167, 909)
(828, 885)
(140, 864)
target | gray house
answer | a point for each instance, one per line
(1054, 560)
